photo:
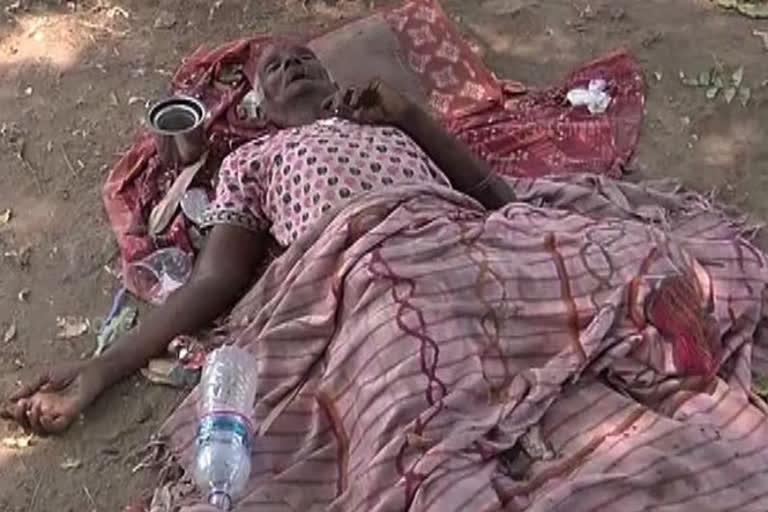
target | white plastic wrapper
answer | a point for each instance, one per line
(593, 97)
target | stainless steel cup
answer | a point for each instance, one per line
(177, 124)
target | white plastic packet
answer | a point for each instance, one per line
(593, 97)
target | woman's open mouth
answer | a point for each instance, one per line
(296, 77)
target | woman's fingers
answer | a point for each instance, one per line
(18, 412)
(52, 422)
(58, 423)
(31, 387)
(354, 99)
(327, 105)
(348, 97)
(33, 416)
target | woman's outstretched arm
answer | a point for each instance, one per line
(225, 269)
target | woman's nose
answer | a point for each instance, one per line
(291, 61)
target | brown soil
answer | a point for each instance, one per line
(74, 76)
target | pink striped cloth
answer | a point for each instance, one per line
(416, 353)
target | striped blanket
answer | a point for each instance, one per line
(590, 347)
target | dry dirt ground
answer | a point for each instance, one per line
(68, 71)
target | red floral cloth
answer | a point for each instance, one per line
(520, 132)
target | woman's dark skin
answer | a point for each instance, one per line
(297, 91)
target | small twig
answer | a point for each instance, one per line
(94, 26)
(34, 495)
(33, 172)
(68, 162)
(90, 497)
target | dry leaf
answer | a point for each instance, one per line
(22, 255)
(738, 76)
(712, 92)
(18, 442)
(729, 93)
(165, 20)
(10, 333)
(5, 217)
(23, 295)
(762, 34)
(416, 440)
(71, 464)
(745, 93)
(163, 212)
(169, 372)
(658, 75)
(71, 326)
(161, 499)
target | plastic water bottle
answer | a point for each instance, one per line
(224, 433)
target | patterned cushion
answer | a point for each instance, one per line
(416, 48)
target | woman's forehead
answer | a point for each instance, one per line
(277, 49)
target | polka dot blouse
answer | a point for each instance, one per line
(285, 181)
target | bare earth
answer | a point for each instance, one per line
(74, 77)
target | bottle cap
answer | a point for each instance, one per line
(220, 500)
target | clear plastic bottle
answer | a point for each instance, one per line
(224, 433)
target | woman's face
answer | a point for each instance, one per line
(288, 72)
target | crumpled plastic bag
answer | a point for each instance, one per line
(594, 97)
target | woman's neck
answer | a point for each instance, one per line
(301, 111)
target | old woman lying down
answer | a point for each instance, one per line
(434, 340)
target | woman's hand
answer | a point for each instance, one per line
(50, 402)
(376, 103)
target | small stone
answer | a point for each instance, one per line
(165, 20)
(10, 333)
(71, 464)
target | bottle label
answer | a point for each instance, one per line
(230, 423)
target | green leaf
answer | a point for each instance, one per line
(116, 327)
(751, 9)
(745, 93)
(738, 76)
(705, 78)
(729, 94)
(760, 385)
(691, 82)
(712, 92)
